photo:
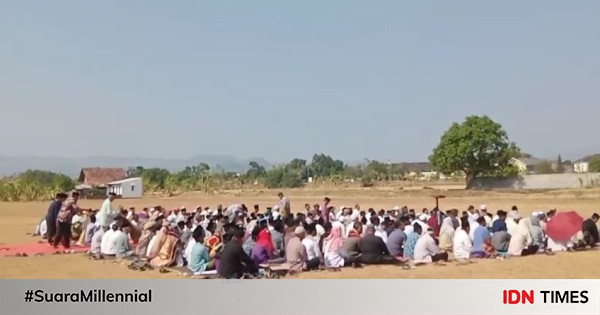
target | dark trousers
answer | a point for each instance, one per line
(439, 256)
(313, 264)
(530, 250)
(63, 234)
(51, 231)
(380, 260)
(352, 260)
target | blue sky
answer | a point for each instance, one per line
(282, 79)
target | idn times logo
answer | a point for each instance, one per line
(513, 297)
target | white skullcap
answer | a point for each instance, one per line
(276, 207)
(483, 207)
(320, 230)
(423, 217)
(396, 208)
(299, 230)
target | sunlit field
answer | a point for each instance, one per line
(18, 220)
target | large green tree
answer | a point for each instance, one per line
(594, 164)
(323, 165)
(255, 171)
(477, 145)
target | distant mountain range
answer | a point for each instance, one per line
(72, 166)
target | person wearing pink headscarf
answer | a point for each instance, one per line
(264, 240)
(332, 245)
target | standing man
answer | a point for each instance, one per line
(64, 221)
(52, 216)
(284, 205)
(106, 214)
(325, 210)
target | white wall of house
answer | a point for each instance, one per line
(127, 188)
(581, 167)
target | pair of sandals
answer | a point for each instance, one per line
(145, 266)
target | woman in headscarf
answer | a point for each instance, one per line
(446, 234)
(332, 245)
(215, 243)
(157, 241)
(148, 232)
(435, 221)
(169, 249)
(262, 251)
(521, 242)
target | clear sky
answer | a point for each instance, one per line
(282, 79)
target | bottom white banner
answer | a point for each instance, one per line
(300, 297)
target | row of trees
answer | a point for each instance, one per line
(297, 172)
(34, 185)
(476, 147)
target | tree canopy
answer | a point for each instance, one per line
(594, 164)
(475, 146)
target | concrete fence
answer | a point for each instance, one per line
(541, 181)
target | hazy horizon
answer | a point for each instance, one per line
(278, 80)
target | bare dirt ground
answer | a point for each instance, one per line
(18, 219)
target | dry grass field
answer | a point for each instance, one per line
(18, 219)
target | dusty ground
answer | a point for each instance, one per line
(18, 219)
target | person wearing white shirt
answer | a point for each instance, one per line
(172, 218)
(120, 243)
(108, 241)
(96, 245)
(42, 228)
(106, 214)
(77, 218)
(130, 213)
(512, 224)
(379, 232)
(426, 251)
(462, 242)
(311, 244)
(473, 225)
(484, 214)
(181, 215)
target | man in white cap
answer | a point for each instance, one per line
(295, 252)
(172, 218)
(181, 214)
(484, 213)
(422, 221)
(512, 224)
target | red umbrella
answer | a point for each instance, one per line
(564, 225)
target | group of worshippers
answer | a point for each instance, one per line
(235, 241)
(479, 234)
(65, 221)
